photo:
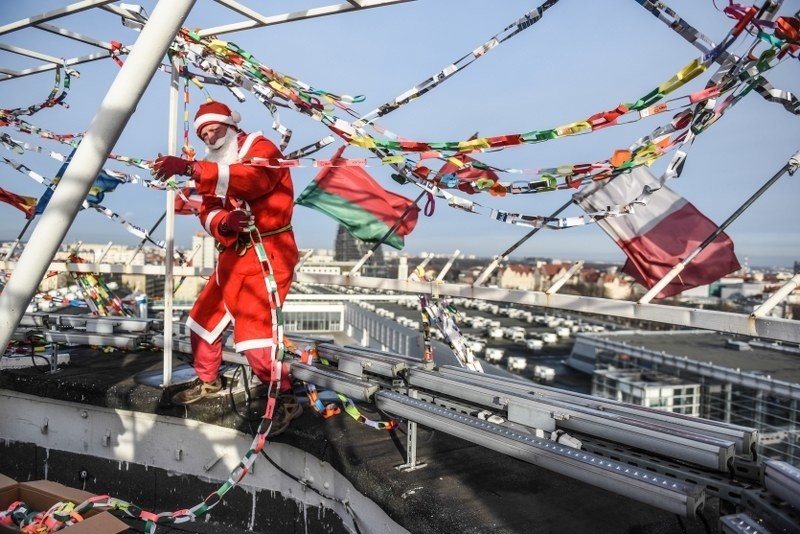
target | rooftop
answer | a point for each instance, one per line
(763, 358)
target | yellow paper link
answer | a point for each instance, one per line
(282, 89)
(219, 47)
(647, 155)
(363, 142)
(685, 75)
(457, 162)
(473, 144)
(389, 160)
(573, 128)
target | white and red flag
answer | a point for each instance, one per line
(658, 235)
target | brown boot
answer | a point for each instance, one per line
(286, 411)
(200, 390)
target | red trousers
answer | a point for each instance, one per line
(208, 358)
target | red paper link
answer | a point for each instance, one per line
(430, 154)
(504, 140)
(355, 162)
(788, 29)
(574, 182)
(607, 118)
(422, 172)
(745, 21)
(413, 146)
(582, 168)
(704, 94)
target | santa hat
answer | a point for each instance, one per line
(215, 113)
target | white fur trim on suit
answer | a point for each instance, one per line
(253, 344)
(210, 219)
(209, 336)
(248, 142)
(207, 118)
(223, 180)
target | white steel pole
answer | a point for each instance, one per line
(777, 297)
(104, 253)
(169, 256)
(448, 265)
(113, 114)
(567, 275)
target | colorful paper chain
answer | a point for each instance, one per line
(236, 57)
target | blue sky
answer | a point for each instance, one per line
(580, 59)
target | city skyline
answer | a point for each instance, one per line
(525, 83)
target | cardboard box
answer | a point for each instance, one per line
(40, 495)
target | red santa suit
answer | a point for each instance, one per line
(238, 291)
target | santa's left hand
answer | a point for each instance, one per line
(168, 166)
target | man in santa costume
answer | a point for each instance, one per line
(239, 200)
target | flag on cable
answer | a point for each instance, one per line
(24, 204)
(658, 235)
(353, 198)
(104, 183)
(187, 201)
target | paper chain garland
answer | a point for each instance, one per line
(440, 314)
(99, 298)
(114, 216)
(233, 57)
(53, 99)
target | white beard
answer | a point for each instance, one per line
(228, 150)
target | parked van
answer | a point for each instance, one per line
(494, 355)
(543, 373)
(534, 344)
(495, 333)
(549, 337)
(563, 331)
(516, 363)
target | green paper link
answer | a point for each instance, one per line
(646, 101)
(388, 145)
(201, 510)
(255, 72)
(194, 36)
(770, 39)
(538, 135)
(441, 146)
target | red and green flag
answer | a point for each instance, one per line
(353, 198)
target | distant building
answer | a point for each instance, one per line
(349, 249)
(749, 383)
(206, 247)
(536, 277)
(648, 388)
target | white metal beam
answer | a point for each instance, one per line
(733, 323)
(115, 268)
(74, 35)
(258, 20)
(29, 53)
(70, 9)
(9, 74)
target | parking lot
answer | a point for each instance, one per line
(525, 340)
